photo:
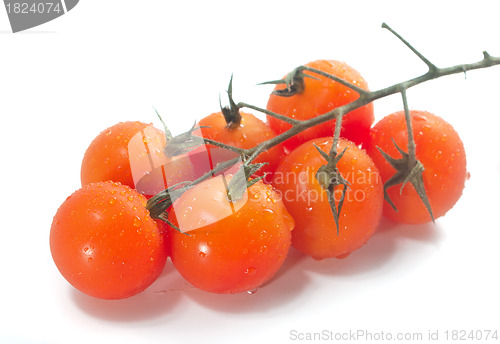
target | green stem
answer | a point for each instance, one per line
(412, 158)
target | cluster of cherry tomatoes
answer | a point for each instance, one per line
(105, 242)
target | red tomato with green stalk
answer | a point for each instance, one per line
(441, 152)
(313, 95)
(316, 232)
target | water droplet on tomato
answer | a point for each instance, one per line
(130, 198)
(202, 254)
(419, 118)
(112, 200)
(137, 221)
(251, 270)
(269, 214)
(252, 291)
(90, 259)
(250, 223)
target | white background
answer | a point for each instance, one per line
(109, 61)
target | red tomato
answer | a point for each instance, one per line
(232, 246)
(315, 231)
(439, 149)
(108, 158)
(104, 242)
(248, 134)
(319, 97)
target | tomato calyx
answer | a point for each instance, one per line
(183, 143)
(406, 172)
(231, 113)
(186, 142)
(408, 168)
(241, 181)
(294, 82)
(159, 204)
(168, 134)
(329, 177)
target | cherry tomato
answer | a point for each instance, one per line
(104, 242)
(108, 158)
(438, 148)
(315, 231)
(232, 246)
(321, 96)
(248, 134)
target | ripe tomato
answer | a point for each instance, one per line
(248, 134)
(321, 96)
(104, 242)
(108, 158)
(232, 246)
(315, 231)
(439, 149)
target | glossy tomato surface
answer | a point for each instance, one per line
(315, 231)
(229, 247)
(104, 242)
(438, 148)
(319, 97)
(108, 158)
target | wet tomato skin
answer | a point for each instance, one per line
(107, 157)
(231, 247)
(315, 232)
(441, 151)
(104, 242)
(319, 97)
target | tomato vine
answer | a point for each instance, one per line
(408, 168)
